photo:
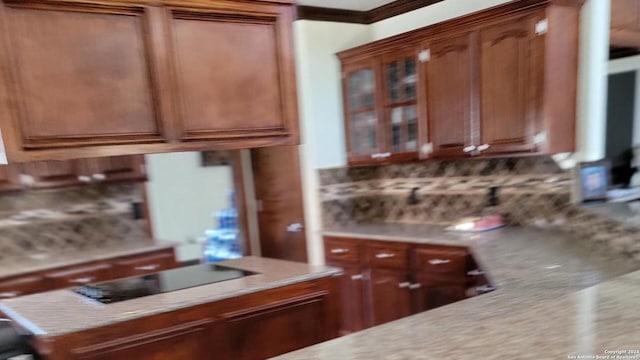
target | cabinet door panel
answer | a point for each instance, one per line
(390, 295)
(9, 179)
(436, 291)
(449, 94)
(508, 93)
(351, 298)
(230, 71)
(81, 74)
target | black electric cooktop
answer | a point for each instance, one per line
(157, 283)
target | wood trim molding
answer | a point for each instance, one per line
(361, 17)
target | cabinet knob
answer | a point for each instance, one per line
(9, 294)
(404, 285)
(295, 227)
(483, 147)
(439, 261)
(415, 286)
(339, 251)
(147, 267)
(356, 277)
(384, 255)
(26, 180)
(475, 272)
(468, 149)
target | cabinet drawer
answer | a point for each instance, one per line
(388, 255)
(339, 249)
(446, 261)
(144, 264)
(21, 286)
(79, 275)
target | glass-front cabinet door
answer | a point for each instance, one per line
(361, 113)
(400, 104)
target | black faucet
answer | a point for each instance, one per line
(413, 197)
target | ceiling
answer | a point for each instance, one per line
(362, 5)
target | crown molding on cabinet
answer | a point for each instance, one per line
(362, 17)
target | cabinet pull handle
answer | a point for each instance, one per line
(339, 251)
(385, 255)
(83, 280)
(475, 272)
(439, 261)
(147, 267)
(9, 294)
(468, 149)
(375, 156)
(415, 286)
(356, 277)
(483, 147)
(84, 178)
(404, 285)
(99, 177)
(385, 155)
(484, 289)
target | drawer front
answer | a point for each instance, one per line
(79, 276)
(444, 261)
(144, 264)
(21, 286)
(388, 255)
(342, 250)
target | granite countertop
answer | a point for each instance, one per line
(627, 213)
(547, 305)
(45, 261)
(61, 312)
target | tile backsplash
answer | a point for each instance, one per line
(532, 189)
(54, 221)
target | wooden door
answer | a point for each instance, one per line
(115, 168)
(53, 173)
(390, 295)
(192, 340)
(400, 126)
(9, 177)
(352, 285)
(509, 76)
(436, 290)
(278, 191)
(233, 70)
(80, 74)
(451, 103)
(365, 142)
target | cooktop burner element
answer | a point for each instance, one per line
(157, 283)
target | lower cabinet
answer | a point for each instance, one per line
(388, 280)
(390, 295)
(253, 326)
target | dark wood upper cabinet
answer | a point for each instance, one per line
(362, 118)
(81, 74)
(509, 76)
(231, 78)
(450, 97)
(88, 78)
(500, 81)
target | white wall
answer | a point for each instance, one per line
(182, 196)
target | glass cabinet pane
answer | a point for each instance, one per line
(360, 89)
(364, 134)
(401, 80)
(393, 81)
(403, 128)
(410, 78)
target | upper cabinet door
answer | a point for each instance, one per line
(233, 71)
(362, 125)
(400, 73)
(450, 104)
(509, 78)
(79, 74)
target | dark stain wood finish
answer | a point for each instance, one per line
(494, 80)
(387, 280)
(9, 178)
(278, 190)
(22, 285)
(386, 11)
(69, 96)
(625, 24)
(254, 326)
